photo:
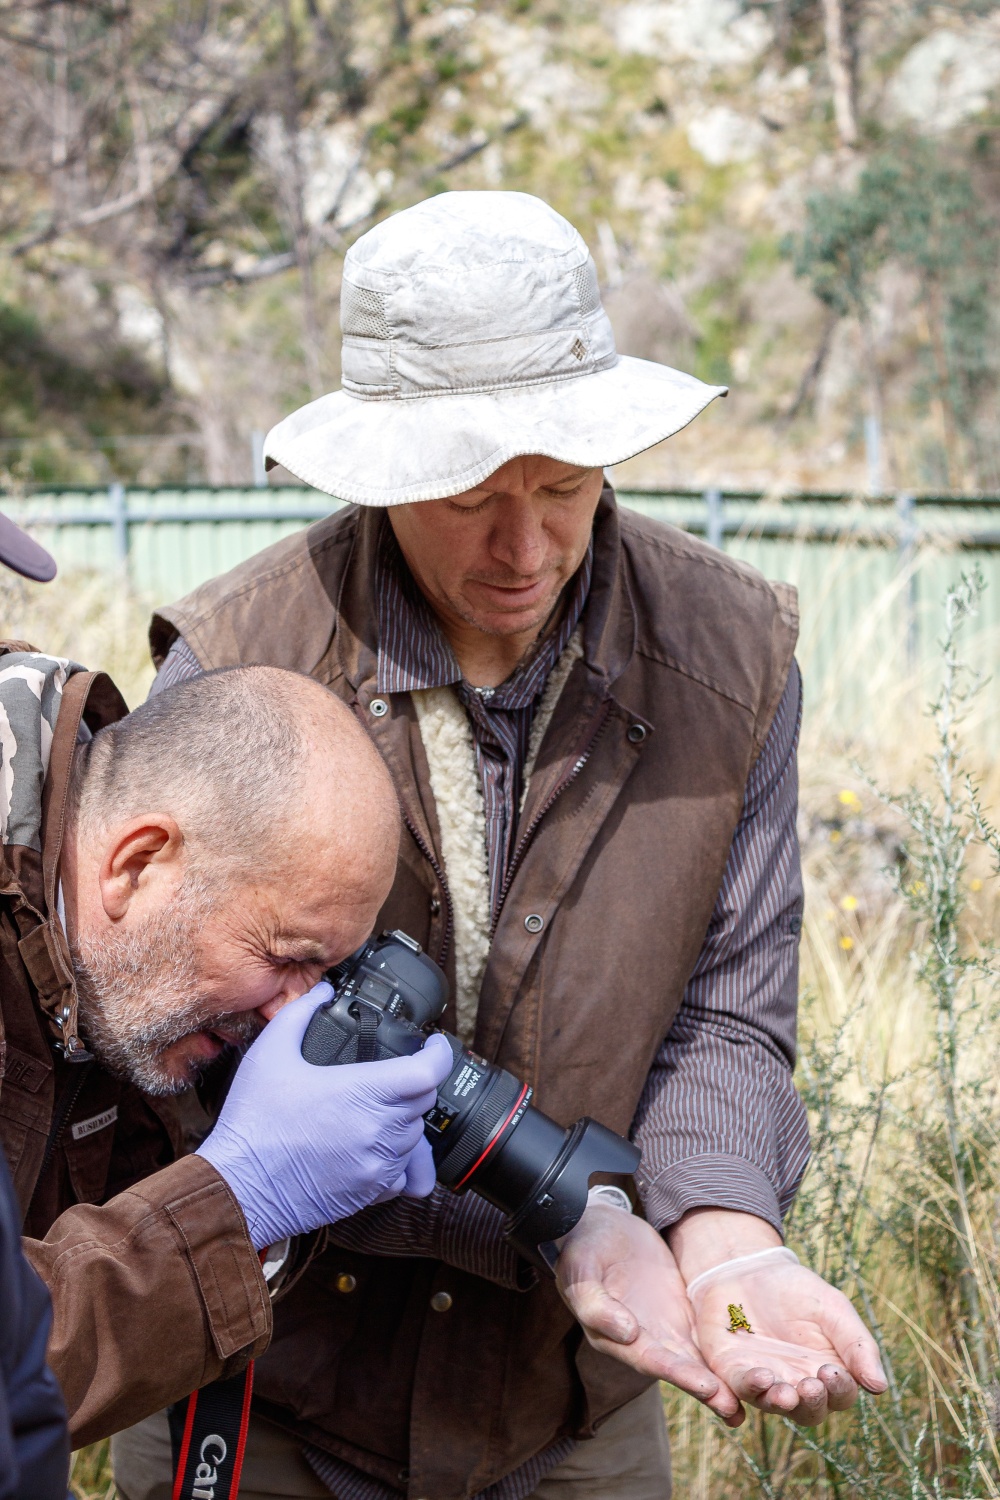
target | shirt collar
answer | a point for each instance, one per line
(412, 650)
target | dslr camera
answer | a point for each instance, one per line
(486, 1135)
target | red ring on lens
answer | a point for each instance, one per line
(499, 1133)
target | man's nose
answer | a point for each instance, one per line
(298, 982)
(518, 537)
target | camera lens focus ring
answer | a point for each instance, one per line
(497, 1104)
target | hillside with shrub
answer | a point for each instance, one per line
(798, 198)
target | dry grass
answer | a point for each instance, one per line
(90, 1476)
(91, 617)
(879, 1212)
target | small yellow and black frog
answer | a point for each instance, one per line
(737, 1318)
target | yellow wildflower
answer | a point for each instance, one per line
(849, 903)
(975, 885)
(848, 799)
(847, 943)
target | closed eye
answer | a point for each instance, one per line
(312, 959)
(560, 494)
(470, 510)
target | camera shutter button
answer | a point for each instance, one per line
(441, 1301)
(533, 922)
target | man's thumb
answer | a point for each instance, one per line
(289, 1026)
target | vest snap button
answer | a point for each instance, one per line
(346, 1283)
(533, 922)
(379, 708)
(441, 1301)
(435, 906)
(636, 734)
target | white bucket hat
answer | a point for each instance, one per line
(474, 333)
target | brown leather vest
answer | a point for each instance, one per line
(71, 1133)
(620, 849)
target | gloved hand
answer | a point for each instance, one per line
(301, 1146)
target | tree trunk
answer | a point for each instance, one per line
(60, 111)
(876, 405)
(302, 238)
(840, 59)
(945, 402)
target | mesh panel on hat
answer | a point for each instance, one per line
(362, 312)
(587, 289)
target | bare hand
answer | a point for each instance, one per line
(620, 1281)
(808, 1350)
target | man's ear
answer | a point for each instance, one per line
(147, 848)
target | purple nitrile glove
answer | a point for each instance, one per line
(301, 1146)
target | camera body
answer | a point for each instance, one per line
(484, 1132)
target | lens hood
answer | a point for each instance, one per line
(557, 1200)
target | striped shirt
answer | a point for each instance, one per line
(719, 1121)
(413, 653)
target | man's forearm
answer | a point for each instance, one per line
(154, 1294)
(719, 1121)
(464, 1232)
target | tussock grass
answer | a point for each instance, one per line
(899, 1039)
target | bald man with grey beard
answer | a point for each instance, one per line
(176, 882)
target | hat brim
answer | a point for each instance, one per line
(22, 553)
(397, 451)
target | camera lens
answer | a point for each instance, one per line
(476, 1132)
(485, 1134)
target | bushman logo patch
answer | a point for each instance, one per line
(96, 1122)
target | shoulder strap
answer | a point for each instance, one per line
(55, 792)
(93, 697)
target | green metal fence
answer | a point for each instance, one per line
(871, 573)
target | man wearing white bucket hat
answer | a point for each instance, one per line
(590, 719)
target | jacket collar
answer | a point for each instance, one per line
(356, 638)
(609, 625)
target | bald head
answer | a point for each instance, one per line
(249, 760)
(229, 842)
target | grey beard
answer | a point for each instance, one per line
(139, 995)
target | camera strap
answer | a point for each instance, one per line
(368, 1024)
(208, 1436)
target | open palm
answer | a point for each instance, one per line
(807, 1351)
(620, 1281)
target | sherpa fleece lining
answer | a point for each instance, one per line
(458, 793)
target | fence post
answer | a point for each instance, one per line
(257, 459)
(714, 522)
(906, 561)
(873, 453)
(119, 523)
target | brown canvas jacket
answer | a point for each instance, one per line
(156, 1288)
(621, 850)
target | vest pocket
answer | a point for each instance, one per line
(87, 1161)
